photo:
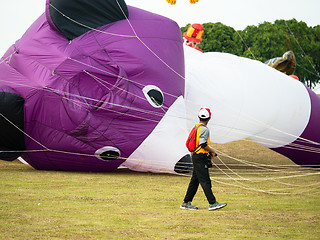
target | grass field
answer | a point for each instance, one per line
(131, 205)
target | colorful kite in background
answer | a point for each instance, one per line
(173, 2)
(193, 36)
(285, 64)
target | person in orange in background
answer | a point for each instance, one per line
(193, 36)
(173, 2)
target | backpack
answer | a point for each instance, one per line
(191, 140)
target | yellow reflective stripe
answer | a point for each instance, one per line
(198, 135)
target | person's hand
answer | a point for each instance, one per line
(213, 154)
(193, 1)
(172, 2)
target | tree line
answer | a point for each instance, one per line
(266, 41)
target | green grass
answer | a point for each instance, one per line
(131, 205)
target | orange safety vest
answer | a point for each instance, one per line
(200, 149)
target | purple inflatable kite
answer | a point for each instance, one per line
(81, 91)
(93, 85)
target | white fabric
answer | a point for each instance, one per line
(246, 97)
(165, 146)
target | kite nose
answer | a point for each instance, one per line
(184, 165)
(108, 153)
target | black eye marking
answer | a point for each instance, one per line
(109, 155)
(154, 95)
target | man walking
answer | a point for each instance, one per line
(200, 174)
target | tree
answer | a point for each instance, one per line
(265, 41)
(220, 36)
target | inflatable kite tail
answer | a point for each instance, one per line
(305, 150)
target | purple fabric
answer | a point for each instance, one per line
(307, 152)
(50, 73)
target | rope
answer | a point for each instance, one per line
(161, 60)
(273, 191)
(317, 74)
(4, 60)
(83, 25)
(246, 45)
(82, 97)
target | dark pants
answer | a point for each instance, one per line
(200, 175)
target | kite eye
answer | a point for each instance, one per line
(108, 153)
(154, 95)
